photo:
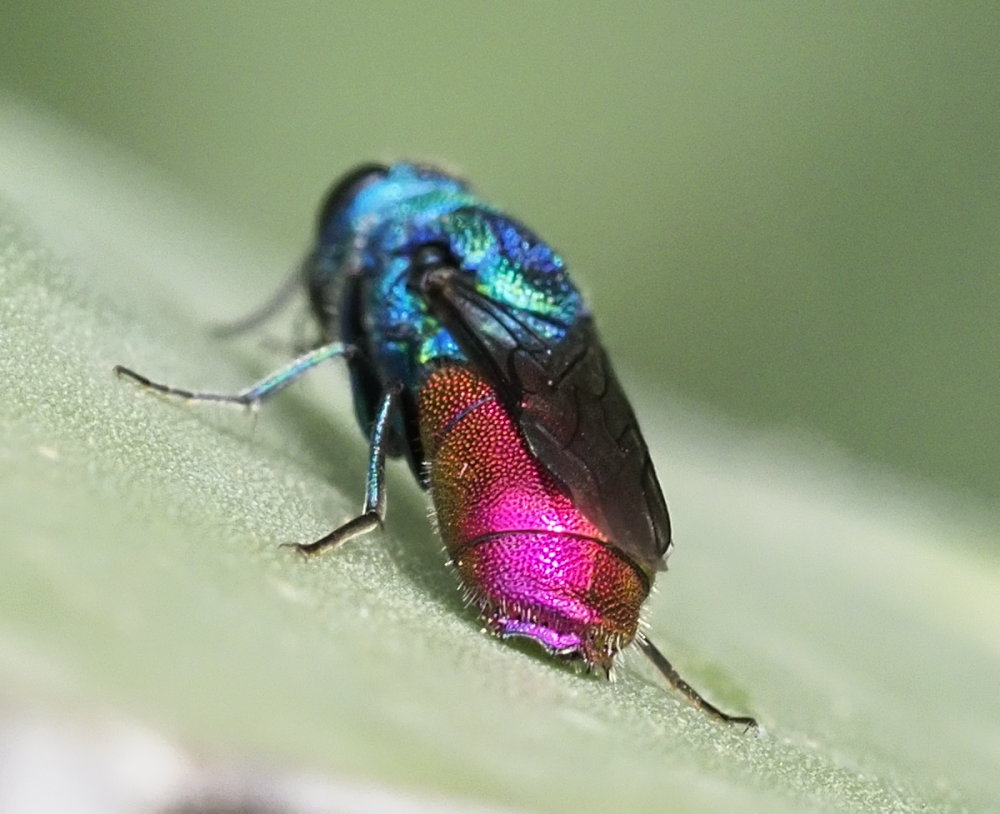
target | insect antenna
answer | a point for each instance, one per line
(689, 692)
(274, 305)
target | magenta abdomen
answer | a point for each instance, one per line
(533, 564)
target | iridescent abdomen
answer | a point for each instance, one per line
(533, 564)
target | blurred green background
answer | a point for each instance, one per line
(783, 216)
(786, 212)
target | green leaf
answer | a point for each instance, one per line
(140, 580)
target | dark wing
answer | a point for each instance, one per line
(571, 409)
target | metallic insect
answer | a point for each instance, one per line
(472, 354)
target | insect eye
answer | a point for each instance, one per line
(346, 189)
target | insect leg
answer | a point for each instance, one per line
(373, 513)
(689, 692)
(255, 393)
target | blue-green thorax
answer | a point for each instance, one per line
(366, 274)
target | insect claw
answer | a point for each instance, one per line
(300, 548)
(357, 526)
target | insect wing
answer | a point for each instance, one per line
(570, 407)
